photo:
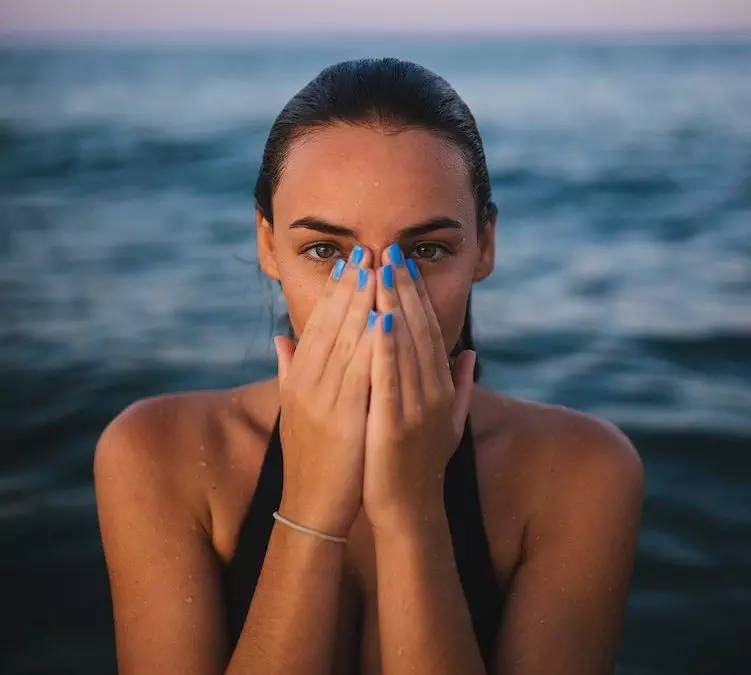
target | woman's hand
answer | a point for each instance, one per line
(418, 407)
(324, 387)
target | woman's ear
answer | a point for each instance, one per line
(266, 250)
(486, 244)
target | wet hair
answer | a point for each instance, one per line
(389, 93)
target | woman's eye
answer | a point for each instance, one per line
(429, 252)
(321, 252)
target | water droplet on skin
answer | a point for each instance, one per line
(202, 463)
(189, 599)
(399, 651)
(203, 448)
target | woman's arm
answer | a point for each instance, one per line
(165, 576)
(565, 606)
(567, 599)
(424, 621)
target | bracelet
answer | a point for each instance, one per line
(308, 530)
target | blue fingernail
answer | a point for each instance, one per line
(338, 269)
(372, 318)
(357, 253)
(412, 267)
(388, 322)
(388, 276)
(362, 278)
(396, 255)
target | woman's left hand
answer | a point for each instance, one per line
(418, 407)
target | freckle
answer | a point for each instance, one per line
(213, 487)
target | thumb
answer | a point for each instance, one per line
(463, 377)
(285, 349)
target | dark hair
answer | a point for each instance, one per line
(389, 92)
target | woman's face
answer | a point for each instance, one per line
(375, 186)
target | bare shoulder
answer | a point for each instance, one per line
(538, 461)
(186, 445)
(550, 437)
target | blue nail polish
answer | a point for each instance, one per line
(412, 267)
(338, 269)
(388, 276)
(372, 318)
(388, 322)
(357, 253)
(362, 278)
(395, 255)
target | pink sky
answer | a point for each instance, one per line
(490, 15)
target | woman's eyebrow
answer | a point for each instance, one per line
(430, 225)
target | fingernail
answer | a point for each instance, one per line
(388, 322)
(338, 269)
(372, 317)
(388, 276)
(357, 253)
(395, 254)
(362, 278)
(412, 267)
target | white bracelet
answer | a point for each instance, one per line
(308, 530)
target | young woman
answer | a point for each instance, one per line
(346, 517)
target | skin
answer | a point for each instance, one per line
(561, 492)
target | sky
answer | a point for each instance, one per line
(253, 16)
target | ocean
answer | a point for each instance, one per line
(622, 169)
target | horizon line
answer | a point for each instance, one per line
(145, 37)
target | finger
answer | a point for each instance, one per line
(323, 326)
(385, 401)
(352, 329)
(285, 349)
(463, 379)
(440, 355)
(355, 386)
(405, 275)
(411, 388)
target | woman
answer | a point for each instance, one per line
(390, 535)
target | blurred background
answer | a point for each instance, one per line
(619, 145)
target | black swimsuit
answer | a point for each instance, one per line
(471, 552)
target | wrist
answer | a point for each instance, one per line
(410, 524)
(330, 521)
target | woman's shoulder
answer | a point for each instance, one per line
(186, 445)
(533, 431)
(547, 448)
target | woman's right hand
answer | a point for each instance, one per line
(324, 386)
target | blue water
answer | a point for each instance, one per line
(127, 268)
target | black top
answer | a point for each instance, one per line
(471, 552)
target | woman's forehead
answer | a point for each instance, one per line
(354, 174)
